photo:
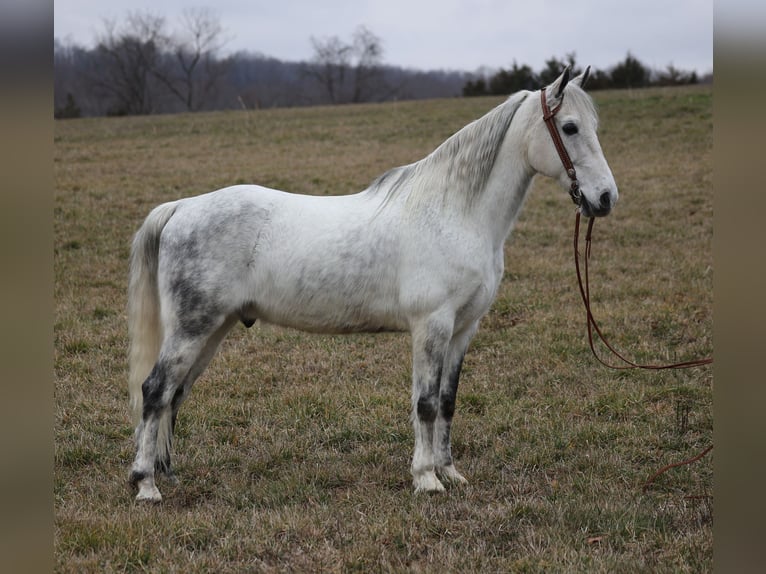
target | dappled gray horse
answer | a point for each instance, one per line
(419, 250)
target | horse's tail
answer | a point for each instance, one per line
(144, 324)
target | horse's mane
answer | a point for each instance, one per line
(461, 164)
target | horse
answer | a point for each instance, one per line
(421, 250)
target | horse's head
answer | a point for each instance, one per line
(573, 116)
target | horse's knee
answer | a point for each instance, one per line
(427, 406)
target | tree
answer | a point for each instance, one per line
(368, 50)
(599, 80)
(141, 66)
(331, 62)
(348, 72)
(194, 71)
(672, 76)
(69, 110)
(630, 73)
(127, 60)
(554, 67)
(476, 87)
(506, 82)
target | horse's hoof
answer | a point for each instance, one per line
(149, 494)
(451, 475)
(427, 482)
(147, 490)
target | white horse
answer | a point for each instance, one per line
(419, 250)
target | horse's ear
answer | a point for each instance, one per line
(555, 91)
(582, 79)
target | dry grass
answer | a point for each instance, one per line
(293, 452)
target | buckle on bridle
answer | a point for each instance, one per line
(575, 193)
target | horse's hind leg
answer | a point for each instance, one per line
(429, 348)
(164, 375)
(163, 462)
(182, 358)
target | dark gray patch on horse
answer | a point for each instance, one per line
(427, 406)
(153, 389)
(188, 260)
(137, 476)
(428, 401)
(196, 313)
(448, 394)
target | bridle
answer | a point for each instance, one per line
(548, 118)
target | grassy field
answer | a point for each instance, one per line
(293, 452)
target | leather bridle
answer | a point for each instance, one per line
(548, 118)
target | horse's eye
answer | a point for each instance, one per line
(570, 129)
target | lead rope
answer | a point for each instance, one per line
(593, 326)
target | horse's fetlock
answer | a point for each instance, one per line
(136, 476)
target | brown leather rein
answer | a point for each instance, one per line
(576, 194)
(593, 326)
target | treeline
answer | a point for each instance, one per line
(142, 67)
(630, 73)
(242, 80)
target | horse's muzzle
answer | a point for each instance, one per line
(605, 202)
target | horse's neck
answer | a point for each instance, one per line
(499, 204)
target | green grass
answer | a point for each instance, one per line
(293, 452)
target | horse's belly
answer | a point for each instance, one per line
(327, 314)
(327, 301)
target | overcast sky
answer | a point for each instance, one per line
(441, 34)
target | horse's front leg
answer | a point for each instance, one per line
(430, 342)
(444, 465)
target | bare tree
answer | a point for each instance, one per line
(142, 67)
(331, 62)
(195, 70)
(348, 72)
(368, 49)
(129, 56)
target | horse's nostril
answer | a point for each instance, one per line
(605, 199)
